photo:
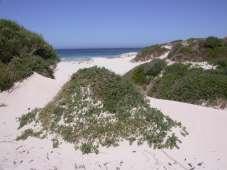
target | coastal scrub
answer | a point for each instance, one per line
(99, 108)
(23, 52)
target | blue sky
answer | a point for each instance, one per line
(117, 23)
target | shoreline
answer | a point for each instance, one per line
(202, 148)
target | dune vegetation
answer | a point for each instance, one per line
(99, 108)
(23, 52)
(193, 85)
(150, 52)
(180, 80)
(211, 49)
(142, 75)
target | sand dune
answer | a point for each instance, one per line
(204, 147)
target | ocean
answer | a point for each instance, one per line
(85, 54)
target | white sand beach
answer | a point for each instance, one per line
(204, 147)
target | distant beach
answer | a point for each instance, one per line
(86, 54)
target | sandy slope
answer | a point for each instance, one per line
(207, 140)
(204, 148)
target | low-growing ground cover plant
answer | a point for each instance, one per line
(99, 108)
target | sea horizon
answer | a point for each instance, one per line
(88, 53)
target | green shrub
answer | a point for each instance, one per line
(221, 63)
(154, 67)
(150, 52)
(193, 85)
(213, 42)
(27, 118)
(5, 77)
(21, 53)
(138, 76)
(217, 51)
(87, 148)
(144, 73)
